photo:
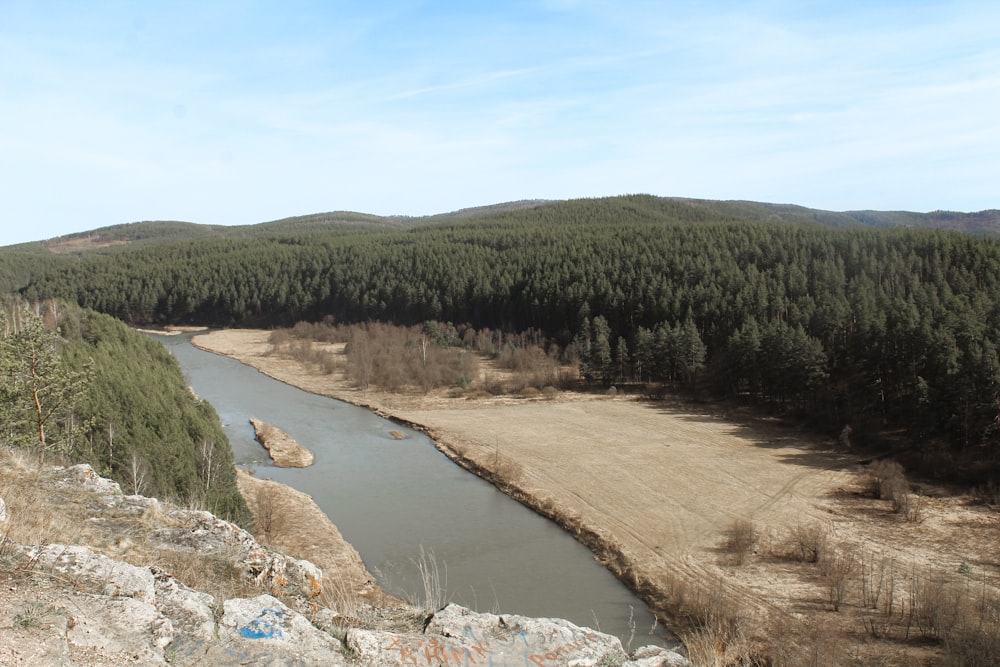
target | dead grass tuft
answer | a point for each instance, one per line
(741, 538)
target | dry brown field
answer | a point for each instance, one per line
(656, 489)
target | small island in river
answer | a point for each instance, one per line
(284, 451)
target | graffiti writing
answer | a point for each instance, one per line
(469, 650)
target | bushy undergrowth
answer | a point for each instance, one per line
(882, 611)
(428, 357)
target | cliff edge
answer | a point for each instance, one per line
(90, 576)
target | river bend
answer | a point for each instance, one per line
(393, 498)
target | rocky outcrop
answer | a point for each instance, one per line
(113, 613)
(458, 636)
(282, 448)
(67, 604)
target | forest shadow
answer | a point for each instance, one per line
(796, 443)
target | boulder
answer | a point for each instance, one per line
(103, 574)
(658, 656)
(84, 476)
(458, 636)
(270, 632)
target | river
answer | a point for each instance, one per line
(394, 499)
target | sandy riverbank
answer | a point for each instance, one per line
(653, 488)
(290, 521)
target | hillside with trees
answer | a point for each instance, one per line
(827, 316)
(84, 387)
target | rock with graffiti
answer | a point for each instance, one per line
(69, 604)
(458, 636)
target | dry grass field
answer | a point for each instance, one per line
(756, 541)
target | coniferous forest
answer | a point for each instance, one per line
(893, 331)
(87, 388)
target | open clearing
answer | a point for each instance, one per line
(661, 483)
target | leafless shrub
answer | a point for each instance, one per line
(477, 394)
(910, 506)
(836, 569)
(888, 482)
(975, 639)
(808, 542)
(324, 332)
(494, 385)
(279, 339)
(396, 358)
(884, 476)
(935, 604)
(508, 470)
(973, 647)
(718, 627)
(741, 537)
(878, 595)
(265, 511)
(427, 357)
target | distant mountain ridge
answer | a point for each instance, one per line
(986, 222)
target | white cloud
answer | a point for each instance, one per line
(228, 114)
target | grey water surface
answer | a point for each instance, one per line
(394, 498)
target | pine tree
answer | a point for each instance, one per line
(38, 390)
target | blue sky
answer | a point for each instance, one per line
(240, 112)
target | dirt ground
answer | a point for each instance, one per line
(654, 487)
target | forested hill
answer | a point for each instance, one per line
(156, 232)
(672, 208)
(892, 329)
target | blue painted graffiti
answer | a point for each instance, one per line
(266, 626)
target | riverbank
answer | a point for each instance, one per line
(655, 489)
(290, 521)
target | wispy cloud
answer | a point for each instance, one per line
(234, 112)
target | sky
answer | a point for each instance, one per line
(239, 112)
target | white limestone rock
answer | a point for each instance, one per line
(120, 625)
(456, 635)
(84, 476)
(190, 611)
(265, 628)
(658, 656)
(111, 577)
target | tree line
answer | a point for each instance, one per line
(884, 330)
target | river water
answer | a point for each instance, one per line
(394, 499)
